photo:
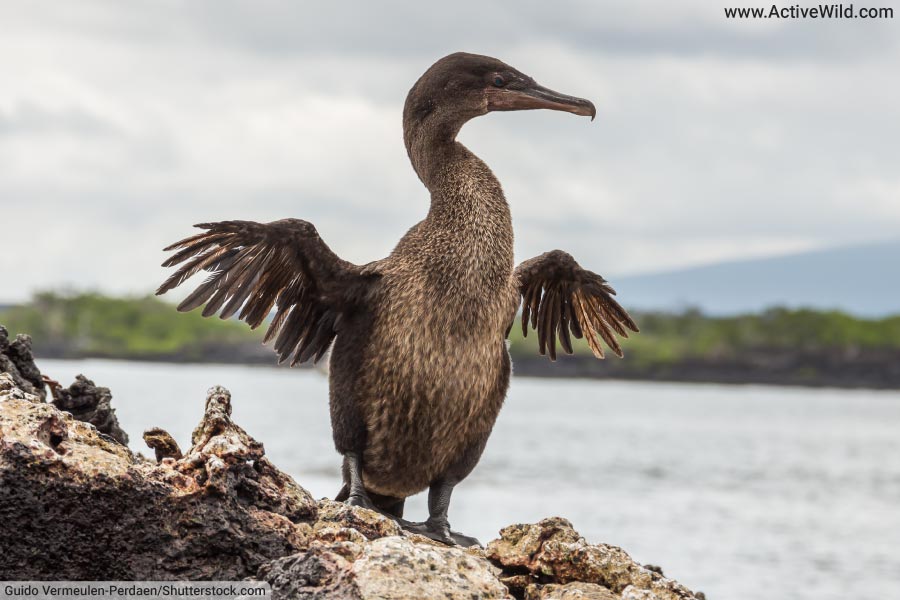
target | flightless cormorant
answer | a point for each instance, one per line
(419, 365)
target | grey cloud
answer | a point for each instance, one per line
(403, 30)
(27, 118)
(400, 29)
(713, 140)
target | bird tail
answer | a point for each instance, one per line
(343, 494)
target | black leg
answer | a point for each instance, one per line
(437, 527)
(354, 492)
(438, 505)
(357, 492)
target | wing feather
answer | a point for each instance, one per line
(257, 267)
(534, 287)
(560, 300)
(564, 339)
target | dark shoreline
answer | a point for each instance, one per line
(791, 347)
(793, 371)
(877, 371)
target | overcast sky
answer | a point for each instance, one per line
(123, 123)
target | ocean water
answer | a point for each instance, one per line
(743, 492)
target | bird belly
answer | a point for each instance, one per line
(419, 429)
(433, 392)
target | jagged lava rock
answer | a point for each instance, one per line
(322, 572)
(17, 359)
(93, 510)
(230, 462)
(85, 400)
(90, 403)
(552, 552)
(388, 568)
(9, 389)
(369, 523)
(569, 591)
(424, 571)
(162, 443)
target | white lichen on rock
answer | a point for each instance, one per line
(423, 571)
(9, 390)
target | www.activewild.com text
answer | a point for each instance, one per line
(821, 11)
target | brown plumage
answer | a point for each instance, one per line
(419, 367)
(558, 295)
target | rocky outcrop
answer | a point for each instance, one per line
(386, 568)
(162, 443)
(17, 360)
(90, 403)
(220, 510)
(551, 552)
(94, 510)
(83, 399)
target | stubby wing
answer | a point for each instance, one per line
(559, 298)
(255, 267)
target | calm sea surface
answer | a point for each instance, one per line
(741, 492)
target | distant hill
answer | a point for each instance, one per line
(862, 280)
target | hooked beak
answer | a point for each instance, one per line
(534, 96)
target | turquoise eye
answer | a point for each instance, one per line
(498, 81)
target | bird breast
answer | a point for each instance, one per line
(439, 377)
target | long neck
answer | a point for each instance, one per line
(430, 146)
(468, 209)
(458, 180)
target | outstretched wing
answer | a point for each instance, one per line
(257, 266)
(560, 297)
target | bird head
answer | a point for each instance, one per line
(462, 86)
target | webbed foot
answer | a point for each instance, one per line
(466, 541)
(439, 531)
